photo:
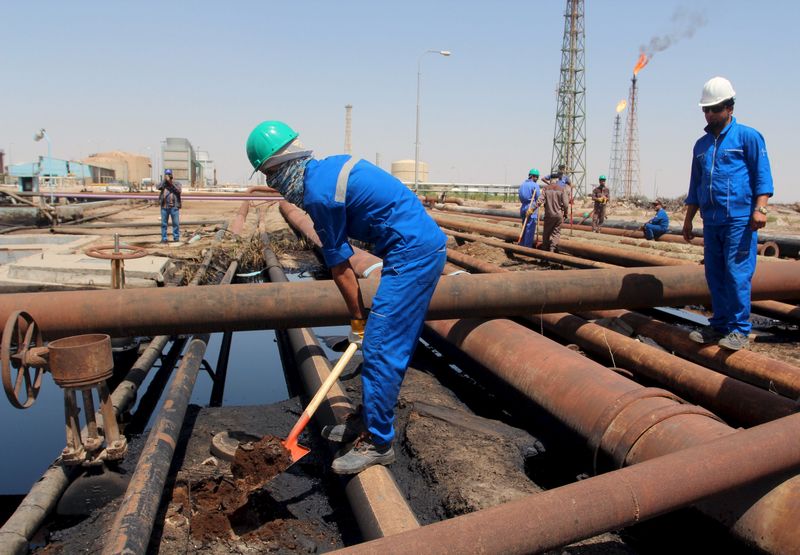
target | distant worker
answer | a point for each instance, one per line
(350, 198)
(658, 225)
(600, 196)
(730, 184)
(169, 199)
(529, 193)
(560, 177)
(555, 199)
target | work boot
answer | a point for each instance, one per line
(350, 429)
(734, 341)
(363, 454)
(706, 334)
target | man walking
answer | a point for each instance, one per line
(349, 198)
(600, 196)
(169, 199)
(556, 204)
(529, 193)
(730, 185)
(658, 225)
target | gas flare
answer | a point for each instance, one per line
(640, 63)
(621, 105)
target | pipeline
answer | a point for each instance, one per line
(547, 256)
(130, 312)
(779, 311)
(634, 494)
(378, 505)
(748, 366)
(605, 254)
(731, 399)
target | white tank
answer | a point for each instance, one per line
(404, 171)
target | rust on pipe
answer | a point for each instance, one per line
(130, 312)
(732, 399)
(564, 259)
(582, 249)
(780, 311)
(748, 366)
(570, 513)
(769, 248)
(134, 520)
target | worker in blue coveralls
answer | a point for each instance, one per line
(658, 224)
(730, 184)
(350, 198)
(558, 177)
(529, 193)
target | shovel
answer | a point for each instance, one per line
(296, 451)
(522, 231)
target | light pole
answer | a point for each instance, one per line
(38, 136)
(416, 142)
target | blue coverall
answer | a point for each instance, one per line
(380, 210)
(728, 173)
(528, 192)
(657, 226)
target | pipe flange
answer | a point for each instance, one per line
(603, 423)
(109, 252)
(619, 453)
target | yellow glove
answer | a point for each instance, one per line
(357, 331)
(529, 211)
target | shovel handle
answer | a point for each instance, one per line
(321, 393)
(522, 232)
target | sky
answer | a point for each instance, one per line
(124, 75)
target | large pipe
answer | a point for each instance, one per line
(780, 311)
(731, 399)
(745, 365)
(130, 312)
(134, 520)
(551, 519)
(377, 503)
(621, 420)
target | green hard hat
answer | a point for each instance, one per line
(602, 178)
(266, 139)
(534, 171)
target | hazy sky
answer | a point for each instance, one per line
(124, 75)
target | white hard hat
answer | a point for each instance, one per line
(716, 90)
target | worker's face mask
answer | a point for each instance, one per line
(288, 177)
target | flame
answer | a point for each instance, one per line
(640, 63)
(621, 106)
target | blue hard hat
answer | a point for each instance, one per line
(167, 172)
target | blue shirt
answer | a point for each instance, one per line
(529, 191)
(562, 181)
(377, 209)
(728, 173)
(660, 219)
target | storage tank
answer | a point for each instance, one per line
(404, 171)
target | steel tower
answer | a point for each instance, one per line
(615, 161)
(569, 139)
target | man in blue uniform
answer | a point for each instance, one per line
(558, 177)
(529, 210)
(349, 198)
(730, 184)
(658, 224)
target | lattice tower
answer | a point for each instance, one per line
(615, 161)
(569, 139)
(630, 177)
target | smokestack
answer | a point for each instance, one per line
(2, 165)
(348, 129)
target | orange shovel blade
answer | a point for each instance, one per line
(296, 451)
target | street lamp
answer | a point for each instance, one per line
(38, 136)
(416, 142)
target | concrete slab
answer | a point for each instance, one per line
(48, 262)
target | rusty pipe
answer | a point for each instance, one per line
(748, 366)
(134, 520)
(130, 312)
(731, 399)
(570, 513)
(564, 259)
(780, 311)
(585, 250)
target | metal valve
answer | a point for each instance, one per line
(78, 364)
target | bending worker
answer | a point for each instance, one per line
(730, 184)
(600, 196)
(529, 193)
(349, 198)
(658, 224)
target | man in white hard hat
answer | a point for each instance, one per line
(730, 184)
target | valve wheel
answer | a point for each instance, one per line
(19, 336)
(126, 252)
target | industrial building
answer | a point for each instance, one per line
(179, 156)
(58, 174)
(129, 168)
